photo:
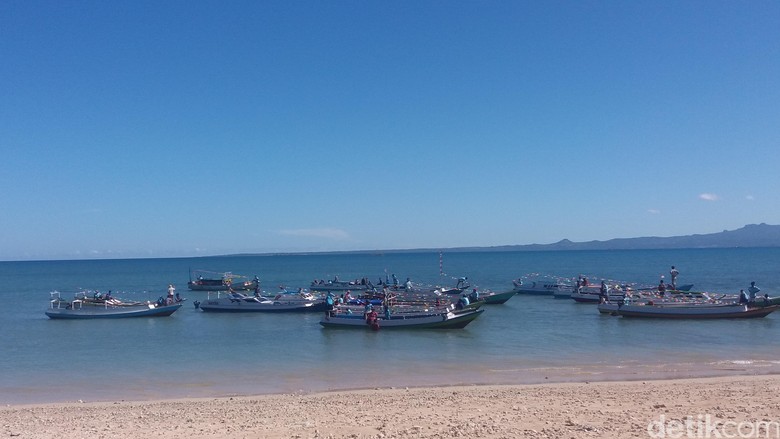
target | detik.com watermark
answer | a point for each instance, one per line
(705, 427)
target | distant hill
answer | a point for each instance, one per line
(752, 235)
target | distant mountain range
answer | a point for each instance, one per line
(752, 235)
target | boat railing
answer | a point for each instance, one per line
(57, 302)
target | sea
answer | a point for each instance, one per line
(529, 339)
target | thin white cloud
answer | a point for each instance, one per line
(324, 232)
(750, 198)
(654, 211)
(708, 197)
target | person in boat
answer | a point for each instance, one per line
(461, 283)
(408, 284)
(603, 292)
(395, 280)
(743, 298)
(368, 309)
(347, 296)
(330, 301)
(371, 317)
(171, 291)
(661, 288)
(474, 296)
(753, 290)
(463, 302)
(178, 298)
(674, 273)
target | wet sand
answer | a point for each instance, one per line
(565, 410)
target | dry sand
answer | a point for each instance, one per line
(570, 410)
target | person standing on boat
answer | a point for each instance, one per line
(395, 280)
(674, 273)
(603, 292)
(743, 298)
(753, 290)
(408, 285)
(330, 301)
(171, 290)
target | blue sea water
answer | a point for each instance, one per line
(527, 340)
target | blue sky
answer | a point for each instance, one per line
(184, 128)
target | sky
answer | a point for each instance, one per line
(195, 128)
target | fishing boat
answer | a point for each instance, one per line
(493, 298)
(285, 302)
(86, 307)
(339, 285)
(563, 293)
(221, 281)
(592, 294)
(547, 287)
(675, 298)
(422, 320)
(681, 310)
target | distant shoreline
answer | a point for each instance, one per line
(750, 236)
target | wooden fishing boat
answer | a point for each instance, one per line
(238, 302)
(338, 285)
(692, 310)
(439, 320)
(543, 287)
(591, 293)
(492, 298)
(221, 282)
(83, 307)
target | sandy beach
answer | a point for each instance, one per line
(567, 410)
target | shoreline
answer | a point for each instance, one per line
(244, 383)
(582, 409)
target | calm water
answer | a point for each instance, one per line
(526, 340)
